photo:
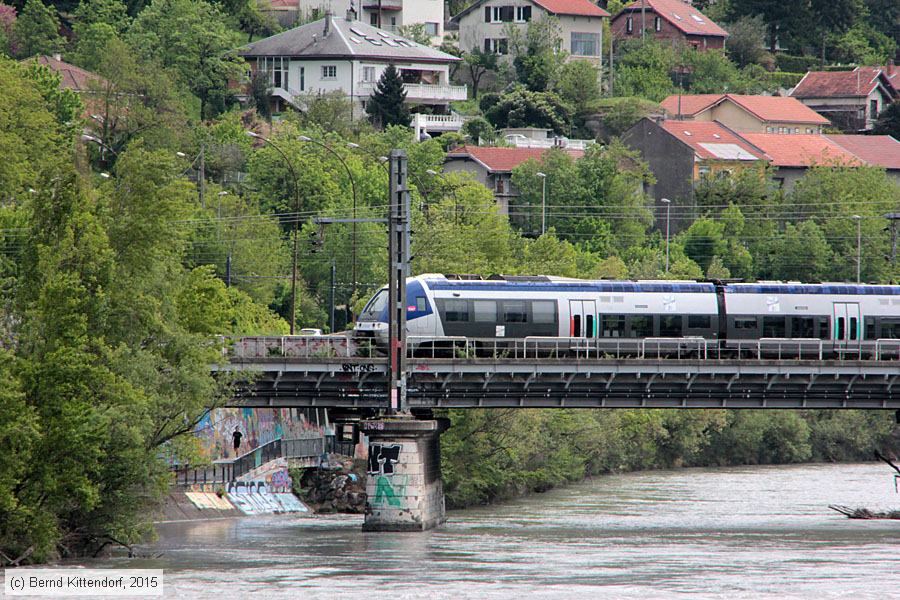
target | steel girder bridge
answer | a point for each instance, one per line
(304, 375)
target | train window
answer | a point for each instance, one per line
(698, 322)
(485, 311)
(670, 326)
(746, 323)
(803, 327)
(641, 327)
(890, 329)
(840, 328)
(543, 311)
(420, 304)
(456, 310)
(589, 326)
(854, 328)
(612, 326)
(515, 311)
(576, 326)
(870, 328)
(774, 327)
(824, 328)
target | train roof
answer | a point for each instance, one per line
(850, 289)
(562, 284)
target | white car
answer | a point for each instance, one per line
(310, 332)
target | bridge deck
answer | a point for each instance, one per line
(361, 383)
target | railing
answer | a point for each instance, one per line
(424, 121)
(424, 91)
(324, 346)
(223, 472)
(521, 141)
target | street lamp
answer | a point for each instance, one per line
(543, 177)
(304, 138)
(858, 220)
(668, 204)
(293, 173)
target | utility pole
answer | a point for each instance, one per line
(643, 21)
(892, 217)
(398, 269)
(331, 314)
(201, 175)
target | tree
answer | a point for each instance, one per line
(579, 85)
(888, 122)
(478, 63)
(746, 37)
(537, 58)
(523, 108)
(387, 106)
(261, 94)
(478, 129)
(7, 26)
(644, 69)
(415, 32)
(193, 38)
(786, 22)
(37, 30)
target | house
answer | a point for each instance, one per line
(793, 156)
(72, 78)
(347, 55)
(681, 153)
(760, 114)
(671, 20)
(493, 167)
(387, 15)
(483, 25)
(851, 100)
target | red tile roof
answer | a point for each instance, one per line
(691, 104)
(712, 140)
(73, 78)
(581, 8)
(684, 17)
(878, 150)
(503, 159)
(838, 84)
(801, 150)
(766, 108)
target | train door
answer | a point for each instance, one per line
(582, 319)
(847, 330)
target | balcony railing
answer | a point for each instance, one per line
(423, 92)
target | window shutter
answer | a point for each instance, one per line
(507, 14)
(487, 44)
(487, 14)
(526, 13)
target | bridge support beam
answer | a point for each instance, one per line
(403, 484)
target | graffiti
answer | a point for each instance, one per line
(373, 425)
(352, 368)
(382, 458)
(389, 487)
(257, 426)
(281, 479)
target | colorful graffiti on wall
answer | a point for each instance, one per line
(256, 426)
(390, 487)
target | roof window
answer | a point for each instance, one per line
(677, 16)
(686, 132)
(697, 18)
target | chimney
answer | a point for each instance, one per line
(351, 12)
(57, 56)
(890, 67)
(327, 24)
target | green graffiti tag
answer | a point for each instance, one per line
(389, 490)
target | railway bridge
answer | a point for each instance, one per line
(682, 373)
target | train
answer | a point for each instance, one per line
(835, 318)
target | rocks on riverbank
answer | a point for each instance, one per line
(337, 486)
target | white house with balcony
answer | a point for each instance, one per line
(345, 54)
(388, 15)
(484, 25)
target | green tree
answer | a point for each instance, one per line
(36, 30)
(478, 129)
(643, 70)
(387, 106)
(888, 122)
(194, 38)
(579, 85)
(746, 37)
(479, 63)
(801, 253)
(524, 108)
(537, 57)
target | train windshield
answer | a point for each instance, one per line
(376, 305)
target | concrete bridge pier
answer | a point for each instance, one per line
(403, 483)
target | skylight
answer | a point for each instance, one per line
(384, 34)
(677, 16)
(390, 42)
(355, 40)
(697, 18)
(717, 136)
(357, 32)
(687, 133)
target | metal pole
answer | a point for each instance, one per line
(398, 252)
(643, 20)
(668, 203)
(333, 277)
(543, 205)
(858, 247)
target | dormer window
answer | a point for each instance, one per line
(629, 25)
(657, 24)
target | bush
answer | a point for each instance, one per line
(795, 64)
(488, 101)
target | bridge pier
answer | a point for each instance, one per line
(403, 481)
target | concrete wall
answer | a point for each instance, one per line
(672, 163)
(258, 426)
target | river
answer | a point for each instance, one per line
(748, 532)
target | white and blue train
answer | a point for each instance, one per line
(841, 316)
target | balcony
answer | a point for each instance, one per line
(422, 93)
